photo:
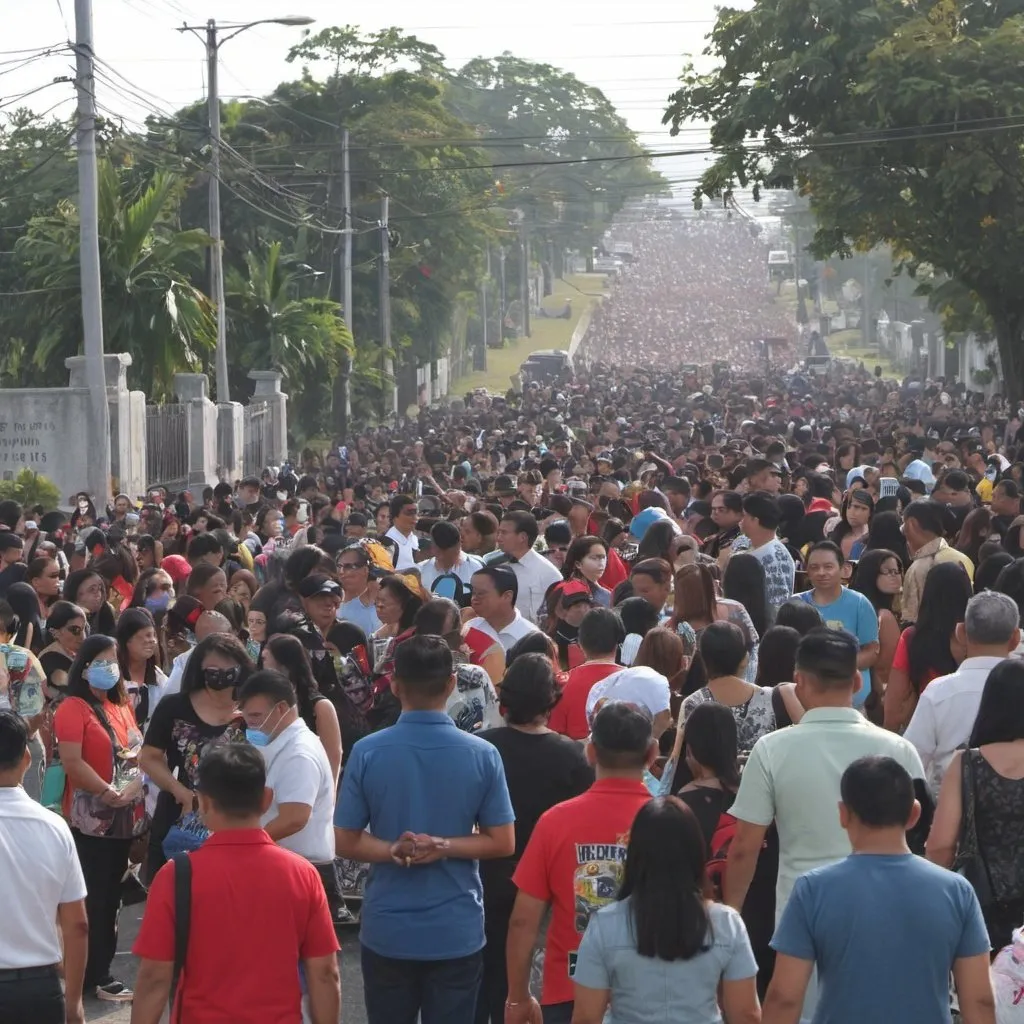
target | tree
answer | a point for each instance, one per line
(273, 324)
(151, 309)
(899, 121)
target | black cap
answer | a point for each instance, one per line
(504, 485)
(317, 584)
(9, 540)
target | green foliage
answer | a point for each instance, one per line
(29, 488)
(151, 309)
(892, 118)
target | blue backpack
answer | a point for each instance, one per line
(449, 585)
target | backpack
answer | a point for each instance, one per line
(451, 586)
(718, 852)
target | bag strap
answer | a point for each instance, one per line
(182, 922)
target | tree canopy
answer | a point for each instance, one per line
(463, 155)
(900, 122)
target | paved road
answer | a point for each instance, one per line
(352, 1011)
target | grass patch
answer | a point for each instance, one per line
(585, 290)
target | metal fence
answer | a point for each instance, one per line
(167, 446)
(255, 426)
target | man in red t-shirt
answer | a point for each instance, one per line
(599, 637)
(258, 911)
(573, 862)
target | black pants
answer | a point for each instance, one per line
(332, 887)
(104, 862)
(428, 991)
(35, 999)
(490, 1003)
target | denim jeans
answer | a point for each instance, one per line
(433, 991)
(38, 999)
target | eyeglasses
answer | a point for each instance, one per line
(890, 572)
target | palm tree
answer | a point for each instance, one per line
(273, 325)
(151, 309)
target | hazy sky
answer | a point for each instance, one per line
(632, 51)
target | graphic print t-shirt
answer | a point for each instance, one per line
(779, 570)
(574, 861)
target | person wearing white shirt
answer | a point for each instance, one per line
(517, 533)
(497, 620)
(45, 933)
(301, 815)
(450, 558)
(402, 531)
(947, 707)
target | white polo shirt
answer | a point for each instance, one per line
(405, 557)
(463, 568)
(299, 773)
(535, 574)
(944, 716)
(39, 870)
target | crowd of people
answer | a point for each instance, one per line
(695, 290)
(645, 695)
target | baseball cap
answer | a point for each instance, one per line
(640, 685)
(177, 567)
(574, 592)
(317, 584)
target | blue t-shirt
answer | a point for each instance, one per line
(362, 615)
(884, 931)
(423, 775)
(856, 614)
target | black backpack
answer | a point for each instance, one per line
(451, 586)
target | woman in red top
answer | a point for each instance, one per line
(95, 727)
(928, 649)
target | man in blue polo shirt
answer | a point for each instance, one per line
(410, 799)
(841, 608)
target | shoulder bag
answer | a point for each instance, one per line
(92, 817)
(182, 924)
(970, 861)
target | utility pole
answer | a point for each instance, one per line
(525, 273)
(387, 385)
(217, 253)
(502, 295)
(480, 357)
(89, 257)
(343, 411)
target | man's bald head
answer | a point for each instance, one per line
(211, 622)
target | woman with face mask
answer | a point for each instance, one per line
(99, 742)
(183, 724)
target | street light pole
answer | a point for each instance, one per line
(89, 254)
(213, 45)
(217, 253)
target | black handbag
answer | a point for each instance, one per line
(970, 861)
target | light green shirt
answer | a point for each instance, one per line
(792, 778)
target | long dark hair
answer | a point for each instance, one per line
(943, 604)
(865, 579)
(744, 582)
(974, 532)
(843, 528)
(130, 622)
(1001, 709)
(665, 881)
(712, 740)
(578, 550)
(776, 656)
(293, 660)
(884, 532)
(78, 686)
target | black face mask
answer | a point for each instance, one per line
(221, 678)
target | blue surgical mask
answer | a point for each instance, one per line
(103, 675)
(159, 602)
(257, 737)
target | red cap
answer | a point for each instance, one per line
(177, 567)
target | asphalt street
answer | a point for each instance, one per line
(125, 967)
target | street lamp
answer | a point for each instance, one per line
(213, 45)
